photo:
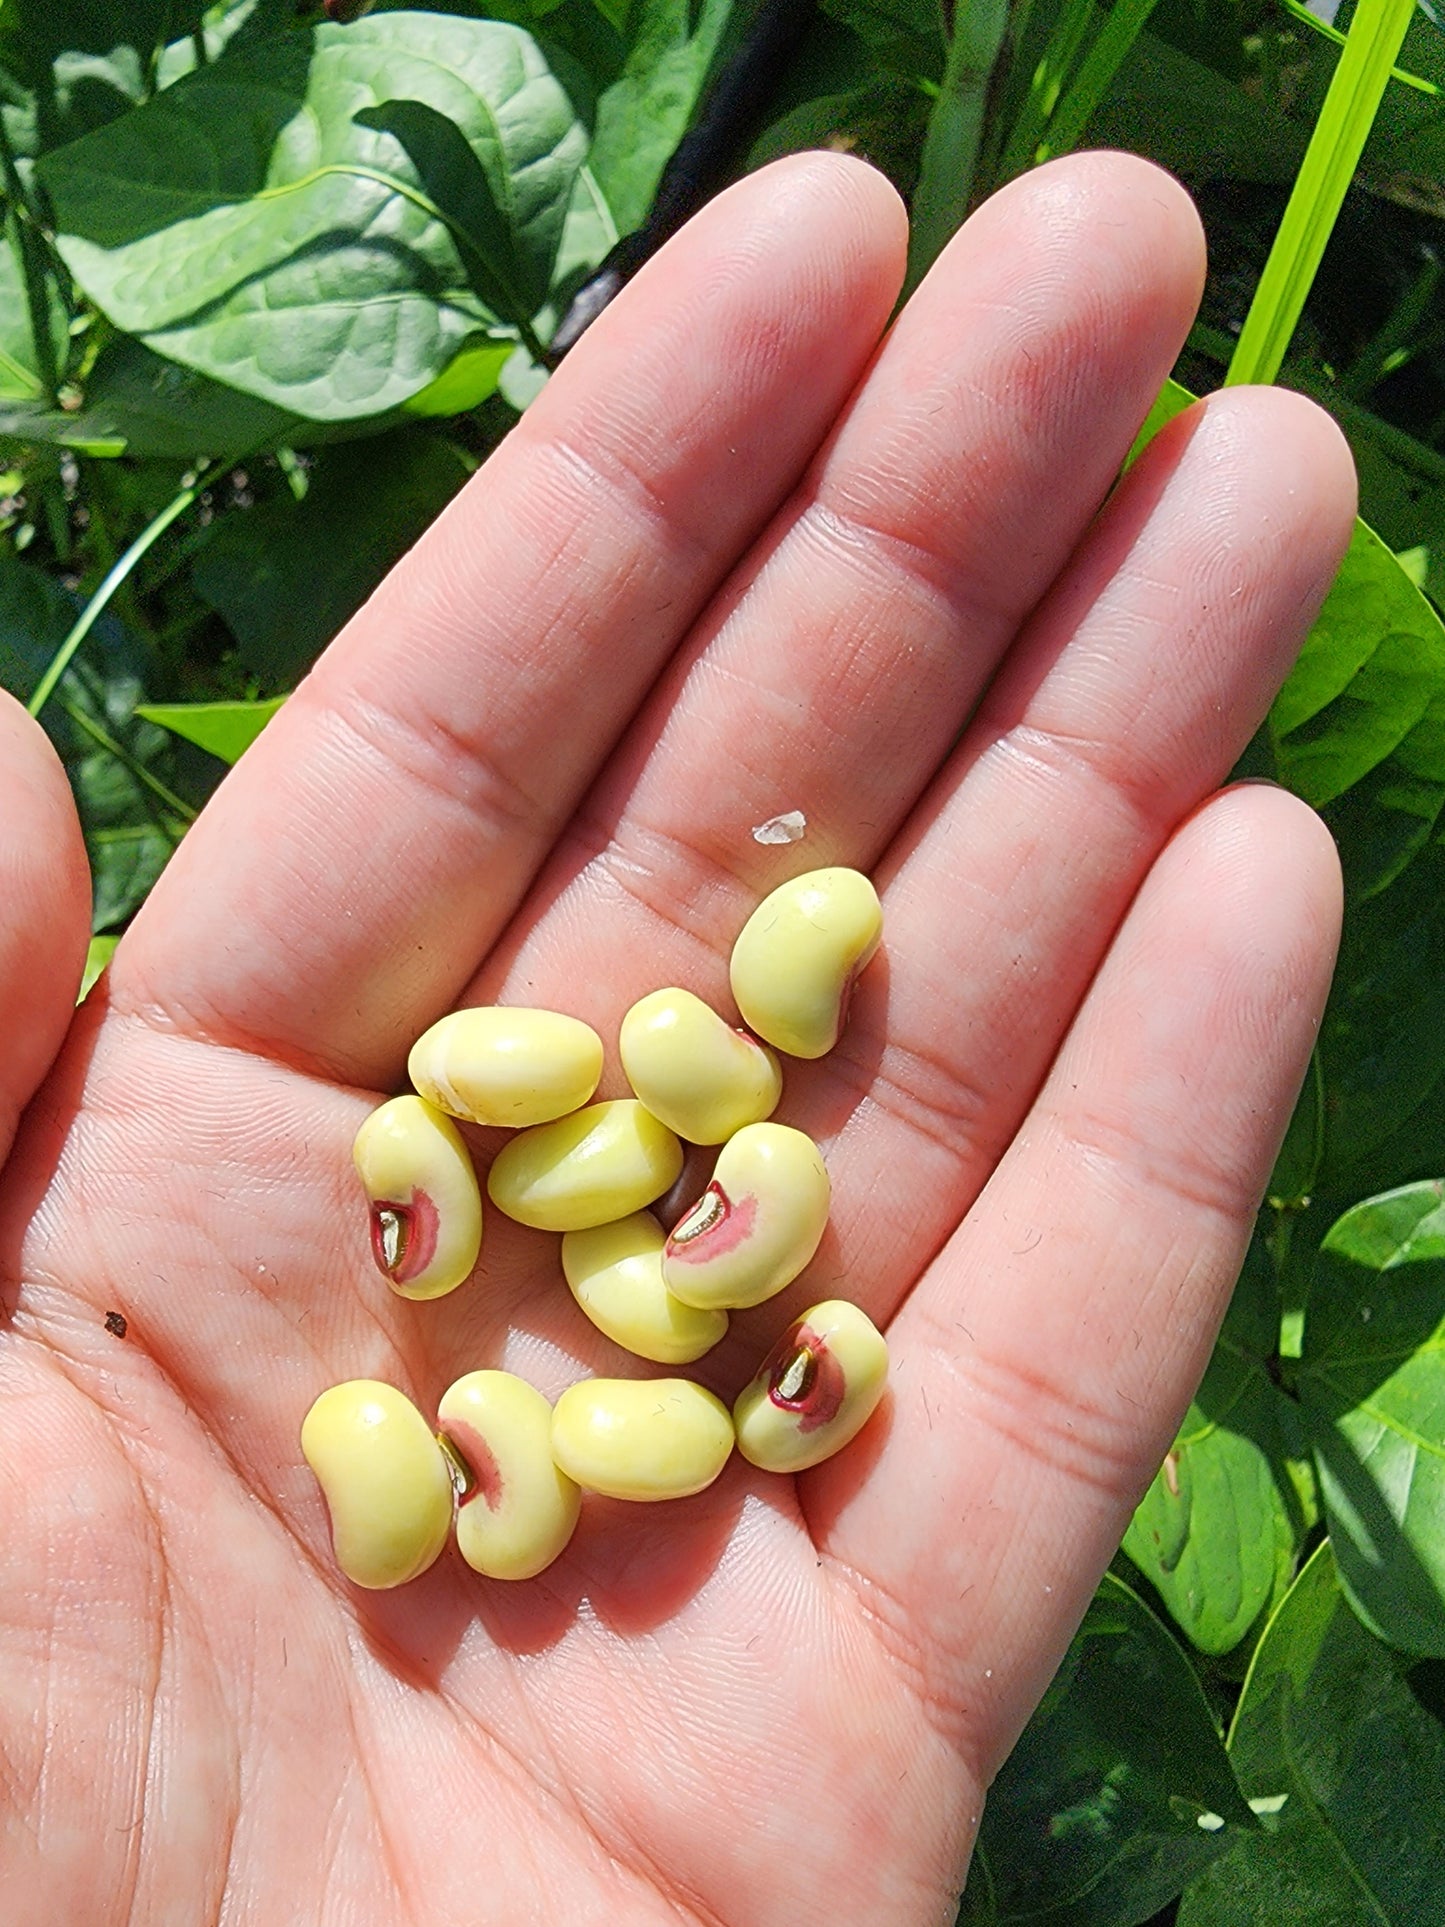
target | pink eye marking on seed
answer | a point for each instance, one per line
(404, 1236)
(714, 1226)
(480, 1461)
(804, 1377)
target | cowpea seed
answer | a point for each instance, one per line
(499, 1065)
(426, 1206)
(703, 1078)
(385, 1480)
(516, 1510)
(757, 1224)
(644, 1438)
(596, 1165)
(796, 958)
(816, 1389)
(615, 1274)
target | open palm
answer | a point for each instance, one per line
(736, 561)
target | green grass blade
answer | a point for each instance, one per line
(1095, 76)
(1374, 40)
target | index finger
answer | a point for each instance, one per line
(346, 880)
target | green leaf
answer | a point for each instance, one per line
(1359, 730)
(247, 224)
(286, 576)
(1334, 1740)
(1095, 1819)
(1372, 1382)
(221, 729)
(643, 115)
(464, 382)
(1216, 1533)
(1382, 1042)
(1376, 34)
(509, 281)
(99, 954)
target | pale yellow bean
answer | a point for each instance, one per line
(517, 1510)
(796, 958)
(816, 1389)
(757, 1224)
(501, 1065)
(649, 1438)
(426, 1206)
(386, 1482)
(615, 1273)
(703, 1078)
(598, 1164)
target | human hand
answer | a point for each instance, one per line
(735, 561)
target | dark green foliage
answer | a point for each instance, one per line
(1096, 1816)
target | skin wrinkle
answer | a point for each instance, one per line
(950, 1121)
(1090, 1443)
(448, 770)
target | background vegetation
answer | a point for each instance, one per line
(239, 237)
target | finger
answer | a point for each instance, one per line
(1125, 703)
(45, 888)
(833, 675)
(1045, 1360)
(347, 879)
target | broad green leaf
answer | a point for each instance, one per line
(1382, 1043)
(1344, 1761)
(643, 115)
(138, 403)
(247, 224)
(1372, 1381)
(1365, 705)
(221, 729)
(286, 576)
(1215, 1533)
(1359, 730)
(456, 184)
(1095, 1819)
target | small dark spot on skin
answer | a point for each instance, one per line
(115, 1324)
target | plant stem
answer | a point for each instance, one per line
(955, 129)
(1374, 40)
(114, 577)
(176, 804)
(1045, 85)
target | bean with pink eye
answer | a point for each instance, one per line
(815, 1391)
(515, 1510)
(426, 1205)
(756, 1225)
